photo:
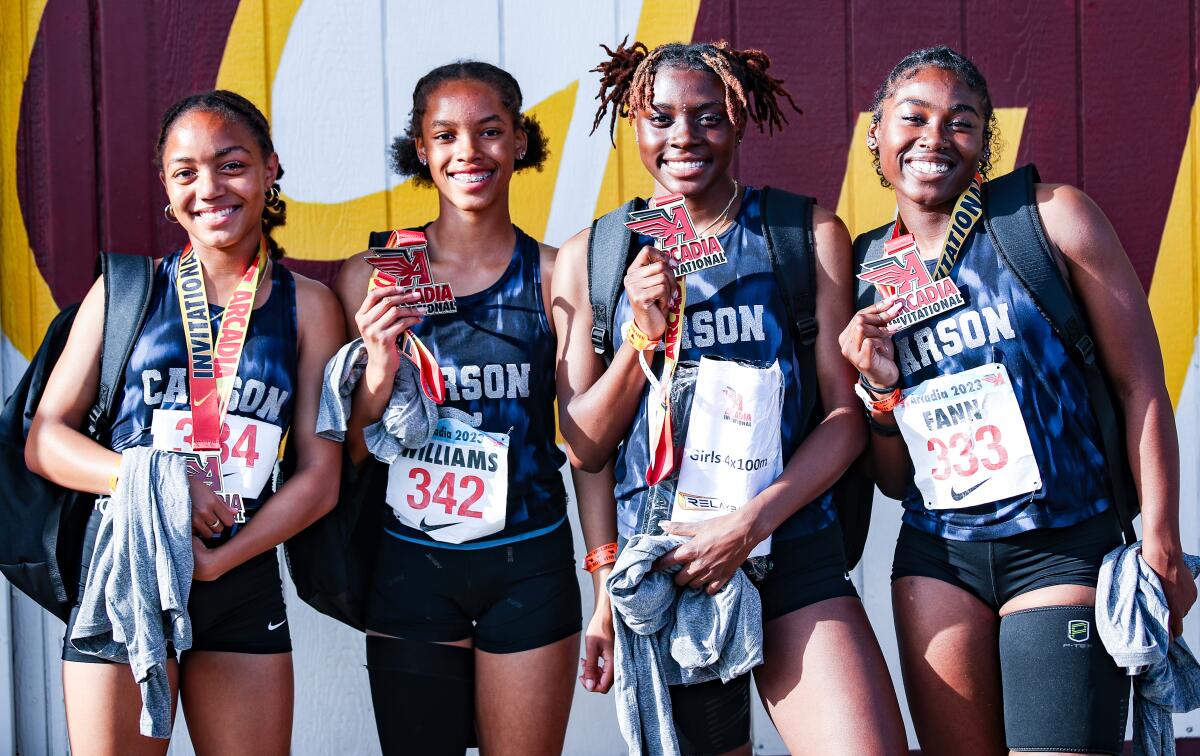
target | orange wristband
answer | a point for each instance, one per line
(601, 556)
(888, 402)
(636, 337)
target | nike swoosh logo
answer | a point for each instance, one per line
(960, 495)
(198, 401)
(275, 625)
(426, 527)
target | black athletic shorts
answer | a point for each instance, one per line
(805, 571)
(714, 717)
(996, 571)
(240, 612)
(514, 597)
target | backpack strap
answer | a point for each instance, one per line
(868, 247)
(128, 282)
(1016, 230)
(610, 249)
(787, 222)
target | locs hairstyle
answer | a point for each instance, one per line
(948, 60)
(404, 148)
(627, 81)
(235, 108)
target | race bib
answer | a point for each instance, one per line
(249, 448)
(455, 488)
(733, 447)
(967, 439)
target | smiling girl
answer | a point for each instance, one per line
(473, 622)
(219, 169)
(1005, 525)
(823, 677)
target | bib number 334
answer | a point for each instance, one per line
(967, 439)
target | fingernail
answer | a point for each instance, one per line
(589, 684)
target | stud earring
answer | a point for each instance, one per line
(871, 143)
(422, 160)
(169, 213)
(521, 156)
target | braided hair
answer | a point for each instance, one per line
(235, 108)
(627, 81)
(404, 158)
(958, 64)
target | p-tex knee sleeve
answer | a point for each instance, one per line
(424, 696)
(1062, 691)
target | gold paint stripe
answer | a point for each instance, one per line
(1176, 281)
(26, 307)
(662, 21)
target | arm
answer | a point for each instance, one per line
(56, 448)
(598, 518)
(1116, 306)
(867, 345)
(722, 544)
(313, 488)
(381, 317)
(597, 406)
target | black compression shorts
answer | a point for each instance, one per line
(996, 571)
(240, 612)
(508, 598)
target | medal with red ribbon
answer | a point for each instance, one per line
(902, 272)
(668, 221)
(404, 262)
(213, 363)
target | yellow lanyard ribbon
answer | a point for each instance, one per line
(213, 365)
(967, 212)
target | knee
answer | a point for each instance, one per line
(1062, 691)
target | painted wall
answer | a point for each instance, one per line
(1098, 94)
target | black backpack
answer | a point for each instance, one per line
(1011, 219)
(788, 232)
(44, 523)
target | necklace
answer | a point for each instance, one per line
(721, 216)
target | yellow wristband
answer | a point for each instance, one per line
(636, 337)
(112, 480)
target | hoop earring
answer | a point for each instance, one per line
(871, 143)
(271, 198)
(169, 213)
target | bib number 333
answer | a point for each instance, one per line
(967, 439)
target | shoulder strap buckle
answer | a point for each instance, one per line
(599, 333)
(806, 331)
(1086, 348)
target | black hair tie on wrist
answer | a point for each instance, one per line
(862, 381)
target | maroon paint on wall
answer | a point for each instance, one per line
(100, 77)
(1108, 89)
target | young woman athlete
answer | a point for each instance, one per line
(824, 680)
(473, 621)
(219, 169)
(996, 564)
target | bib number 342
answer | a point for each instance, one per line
(455, 488)
(967, 439)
